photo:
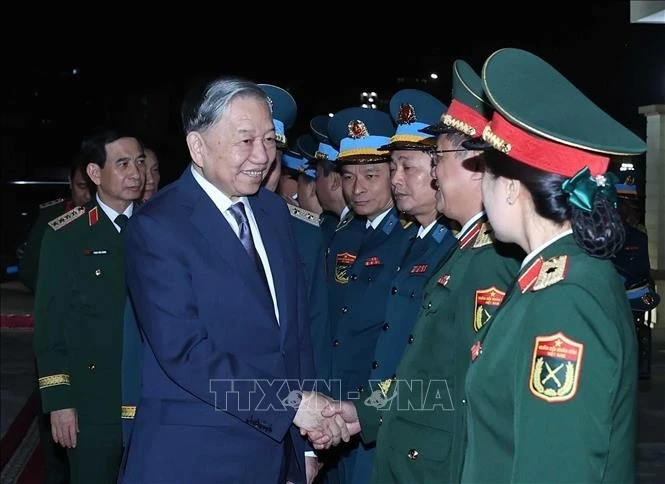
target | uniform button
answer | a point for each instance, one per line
(410, 340)
(98, 272)
(345, 309)
(413, 294)
(360, 389)
(375, 365)
(91, 367)
(429, 305)
(393, 291)
(397, 268)
(336, 343)
(413, 454)
(386, 326)
(354, 277)
(369, 279)
(380, 420)
(464, 401)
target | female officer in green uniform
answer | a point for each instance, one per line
(551, 388)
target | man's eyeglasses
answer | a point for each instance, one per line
(438, 154)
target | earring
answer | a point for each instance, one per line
(510, 200)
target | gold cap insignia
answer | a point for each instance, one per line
(407, 114)
(357, 129)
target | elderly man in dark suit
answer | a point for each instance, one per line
(218, 290)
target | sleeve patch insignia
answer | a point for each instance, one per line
(555, 368)
(66, 218)
(486, 303)
(552, 271)
(342, 263)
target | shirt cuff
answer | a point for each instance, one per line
(310, 453)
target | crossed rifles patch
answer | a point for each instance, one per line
(486, 303)
(555, 367)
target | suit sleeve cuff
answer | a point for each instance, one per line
(55, 392)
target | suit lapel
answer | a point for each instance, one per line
(208, 220)
(273, 237)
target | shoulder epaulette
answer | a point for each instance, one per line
(66, 218)
(305, 215)
(485, 236)
(51, 203)
(552, 271)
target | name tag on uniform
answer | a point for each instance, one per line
(373, 261)
(419, 269)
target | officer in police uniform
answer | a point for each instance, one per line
(366, 279)
(79, 306)
(634, 268)
(425, 442)
(552, 388)
(414, 190)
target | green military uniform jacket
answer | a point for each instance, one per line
(29, 260)
(79, 315)
(418, 421)
(552, 387)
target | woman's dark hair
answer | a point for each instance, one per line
(599, 232)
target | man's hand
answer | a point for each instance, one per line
(344, 413)
(64, 427)
(309, 418)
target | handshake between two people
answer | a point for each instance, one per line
(326, 422)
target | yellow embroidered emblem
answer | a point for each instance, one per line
(384, 386)
(486, 303)
(555, 367)
(552, 271)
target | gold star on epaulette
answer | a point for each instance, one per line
(552, 271)
(66, 218)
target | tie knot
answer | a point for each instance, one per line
(238, 212)
(121, 221)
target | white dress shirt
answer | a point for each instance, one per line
(112, 214)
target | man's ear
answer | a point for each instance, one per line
(94, 172)
(513, 189)
(196, 146)
(336, 181)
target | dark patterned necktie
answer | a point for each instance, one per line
(246, 239)
(121, 221)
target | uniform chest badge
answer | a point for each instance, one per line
(476, 349)
(372, 261)
(555, 367)
(342, 263)
(486, 303)
(443, 280)
(419, 269)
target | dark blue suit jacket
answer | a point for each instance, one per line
(218, 370)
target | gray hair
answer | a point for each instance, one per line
(202, 108)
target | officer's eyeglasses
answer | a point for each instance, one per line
(436, 155)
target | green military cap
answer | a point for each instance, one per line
(469, 111)
(541, 119)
